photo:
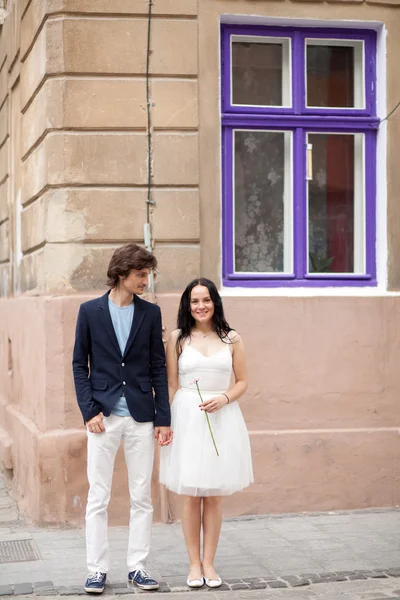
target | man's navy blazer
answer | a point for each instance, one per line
(138, 373)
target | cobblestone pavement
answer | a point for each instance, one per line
(344, 556)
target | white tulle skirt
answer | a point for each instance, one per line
(190, 465)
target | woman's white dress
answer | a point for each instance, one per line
(190, 465)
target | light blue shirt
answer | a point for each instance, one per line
(121, 317)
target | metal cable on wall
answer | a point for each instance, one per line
(148, 241)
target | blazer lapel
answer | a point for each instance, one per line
(138, 317)
(104, 314)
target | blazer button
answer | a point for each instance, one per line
(122, 364)
(124, 383)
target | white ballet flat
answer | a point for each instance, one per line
(195, 583)
(213, 583)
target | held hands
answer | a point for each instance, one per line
(96, 424)
(214, 404)
(163, 435)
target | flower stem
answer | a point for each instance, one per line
(208, 421)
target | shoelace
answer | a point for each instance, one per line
(144, 574)
(95, 577)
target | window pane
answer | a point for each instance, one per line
(260, 72)
(336, 215)
(263, 201)
(335, 74)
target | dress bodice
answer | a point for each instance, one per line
(214, 372)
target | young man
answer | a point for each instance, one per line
(118, 361)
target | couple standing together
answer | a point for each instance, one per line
(124, 385)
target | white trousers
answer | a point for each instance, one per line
(138, 441)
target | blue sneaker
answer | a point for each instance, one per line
(95, 583)
(143, 579)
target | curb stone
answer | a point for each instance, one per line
(47, 588)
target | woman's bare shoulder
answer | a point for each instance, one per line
(174, 335)
(233, 336)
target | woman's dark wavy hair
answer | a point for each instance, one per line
(186, 322)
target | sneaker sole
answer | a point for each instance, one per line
(144, 587)
(94, 591)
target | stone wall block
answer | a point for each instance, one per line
(76, 267)
(95, 214)
(30, 24)
(119, 46)
(4, 193)
(45, 57)
(45, 112)
(174, 47)
(175, 158)
(98, 158)
(176, 215)
(177, 265)
(105, 46)
(34, 172)
(3, 83)
(16, 30)
(4, 241)
(33, 18)
(5, 279)
(32, 272)
(175, 104)
(105, 103)
(134, 7)
(33, 224)
(4, 37)
(33, 69)
(4, 122)
(4, 166)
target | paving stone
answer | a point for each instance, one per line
(290, 578)
(22, 589)
(176, 582)
(6, 590)
(125, 590)
(71, 591)
(223, 588)
(357, 576)
(43, 584)
(258, 585)
(300, 583)
(277, 584)
(240, 586)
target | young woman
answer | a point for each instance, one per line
(206, 349)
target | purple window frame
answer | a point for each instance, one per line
(300, 120)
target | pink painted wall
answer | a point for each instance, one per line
(321, 408)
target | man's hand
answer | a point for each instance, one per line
(163, 435)
(96, 424)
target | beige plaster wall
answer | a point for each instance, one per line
(78, 139)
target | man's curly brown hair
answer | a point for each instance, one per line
(126, 258)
